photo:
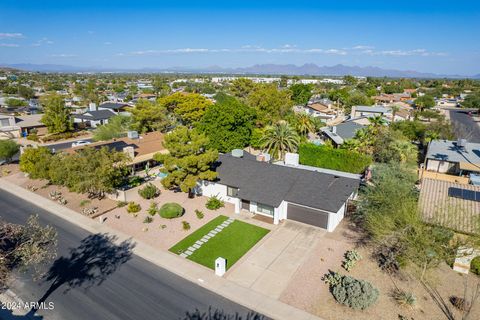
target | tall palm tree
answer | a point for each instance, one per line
(280, 139)
(304, 124)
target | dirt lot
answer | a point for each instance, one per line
(74, 200)
(307, 291)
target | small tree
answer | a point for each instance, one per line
(280, 139)
(56, 115)
(150, 191)
(36, 162)
(8, 148)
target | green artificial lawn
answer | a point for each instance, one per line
(231, 243)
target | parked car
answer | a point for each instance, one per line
(80, 143)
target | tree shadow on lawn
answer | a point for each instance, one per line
(89, 264)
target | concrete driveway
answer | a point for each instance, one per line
(269, 267)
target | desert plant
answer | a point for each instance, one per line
(133, 207)
(148, 219)
(121, 204)
(150, 191)
(475, 265)
(62, 201)
(163, 226)
(171, 210)
(153, 209)
(199, 214)
(356, 294)
(186, 225)
(404, 298)
(214, 203)
(83, 203)
(351, 258)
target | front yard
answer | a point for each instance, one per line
(231, 243)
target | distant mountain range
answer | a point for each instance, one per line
(258, 69)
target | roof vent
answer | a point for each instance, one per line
(132, 134)
(462, 143)
(237, 153)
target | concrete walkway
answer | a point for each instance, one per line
(202, 276)
(268, 268)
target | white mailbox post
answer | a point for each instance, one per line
(220, 266)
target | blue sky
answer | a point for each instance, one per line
(427, 36)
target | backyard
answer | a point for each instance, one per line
(232, 242)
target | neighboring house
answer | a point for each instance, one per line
(281, 192)
(16, 126)
(117, 107)
(458, 158)
(341, 132)
(140, 148)
(452, 205)
(369, 111)
(93, 118)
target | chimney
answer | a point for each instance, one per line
(92, 106)
(129, 151)
(334, 129)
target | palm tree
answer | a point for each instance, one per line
(304, 124)
(394, 112)
(280, 139)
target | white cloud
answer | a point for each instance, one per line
(363, 47)
(43, 41)
(107, 43)
(62, 55)
(7, 35)
(9, 45)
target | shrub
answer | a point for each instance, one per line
(199, 214)
(356, 294)
(475, 265)
(404, 298)
(133, 207)
(150, 191)
(84, 203)
(148, 219)
(121, 204)
(351, 258)
(8, 149)
(335, 159)
(214, 203)
(153, 209)
(171, 210)
(186, 225)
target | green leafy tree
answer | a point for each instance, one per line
(25, 247)
(280, 139)
(189, 108)
(56, 116)
(242, 87)
(188, 160)
(25, 92)
(301, 93)
(116, 127)
(424, 102)
(36, 162)
(149, 116)
(472, 101)
(228, 125)
(8, 149)
(12, 102)
(270, 103)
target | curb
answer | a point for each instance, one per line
(186, 269)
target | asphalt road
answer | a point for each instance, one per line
(64, 145)
(464, 126)
(135, 289)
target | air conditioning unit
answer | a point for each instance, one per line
(237, 153)
(132, 134)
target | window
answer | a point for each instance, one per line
(263, 208)
(232, 192)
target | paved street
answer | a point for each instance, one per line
(133, 289)
(464, 126)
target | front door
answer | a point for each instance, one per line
(246, 205)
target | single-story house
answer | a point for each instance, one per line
(341, 132)
(369, 111)
(94, 118)
(453, 157)
(116, 107)
(140, 148)
(16, 126)
(281, 191)
(449, 204)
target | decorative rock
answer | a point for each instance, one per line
(199, 242)
(188, 252)
(196, 246)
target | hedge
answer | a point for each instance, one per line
(335, 159)
(171, 210)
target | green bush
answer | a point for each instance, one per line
(133, 207)
(404, 298)
(171, 210)
(148, 219)
(335, 159)
(186, 225)
(121, 204)
(475, 265)
(351, 258)
(214, 203)
(356, 294)
(84, 203)
(199, 214)
(153, 209)
(150, 191)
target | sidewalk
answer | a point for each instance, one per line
(186, 269)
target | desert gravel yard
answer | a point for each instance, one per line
(227, 238)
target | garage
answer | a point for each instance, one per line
(307, 215)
